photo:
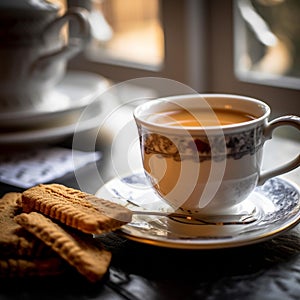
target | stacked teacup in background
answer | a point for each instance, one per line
(34, 51)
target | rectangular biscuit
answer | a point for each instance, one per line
(15, 242)
(78, 250)
(76, 209)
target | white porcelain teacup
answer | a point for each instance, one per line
(207, 166)
(34, 50)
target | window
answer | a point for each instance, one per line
(127, 33)
(267, 41)
(171, 32)
(207, 45)
(222, 64)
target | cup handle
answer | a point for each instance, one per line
(293, 121)
(75, 45)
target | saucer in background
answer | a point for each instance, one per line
(77, 90)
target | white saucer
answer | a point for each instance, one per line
(57, 131)
(277, 205)
(76, 90)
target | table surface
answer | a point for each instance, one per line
(267, 270)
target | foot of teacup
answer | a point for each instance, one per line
(190, 231)
(223, 224)
(245, 207)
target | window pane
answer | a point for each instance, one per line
(127, 33)
(267, 41)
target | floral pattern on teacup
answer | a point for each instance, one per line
(218, 147)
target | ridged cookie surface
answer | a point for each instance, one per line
(78, 250)
(76, 209)
(15, 242)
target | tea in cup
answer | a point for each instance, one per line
(203, 153)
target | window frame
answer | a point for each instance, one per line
(199, 52)
(282, 100)
(181, 24)
(239, 32)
